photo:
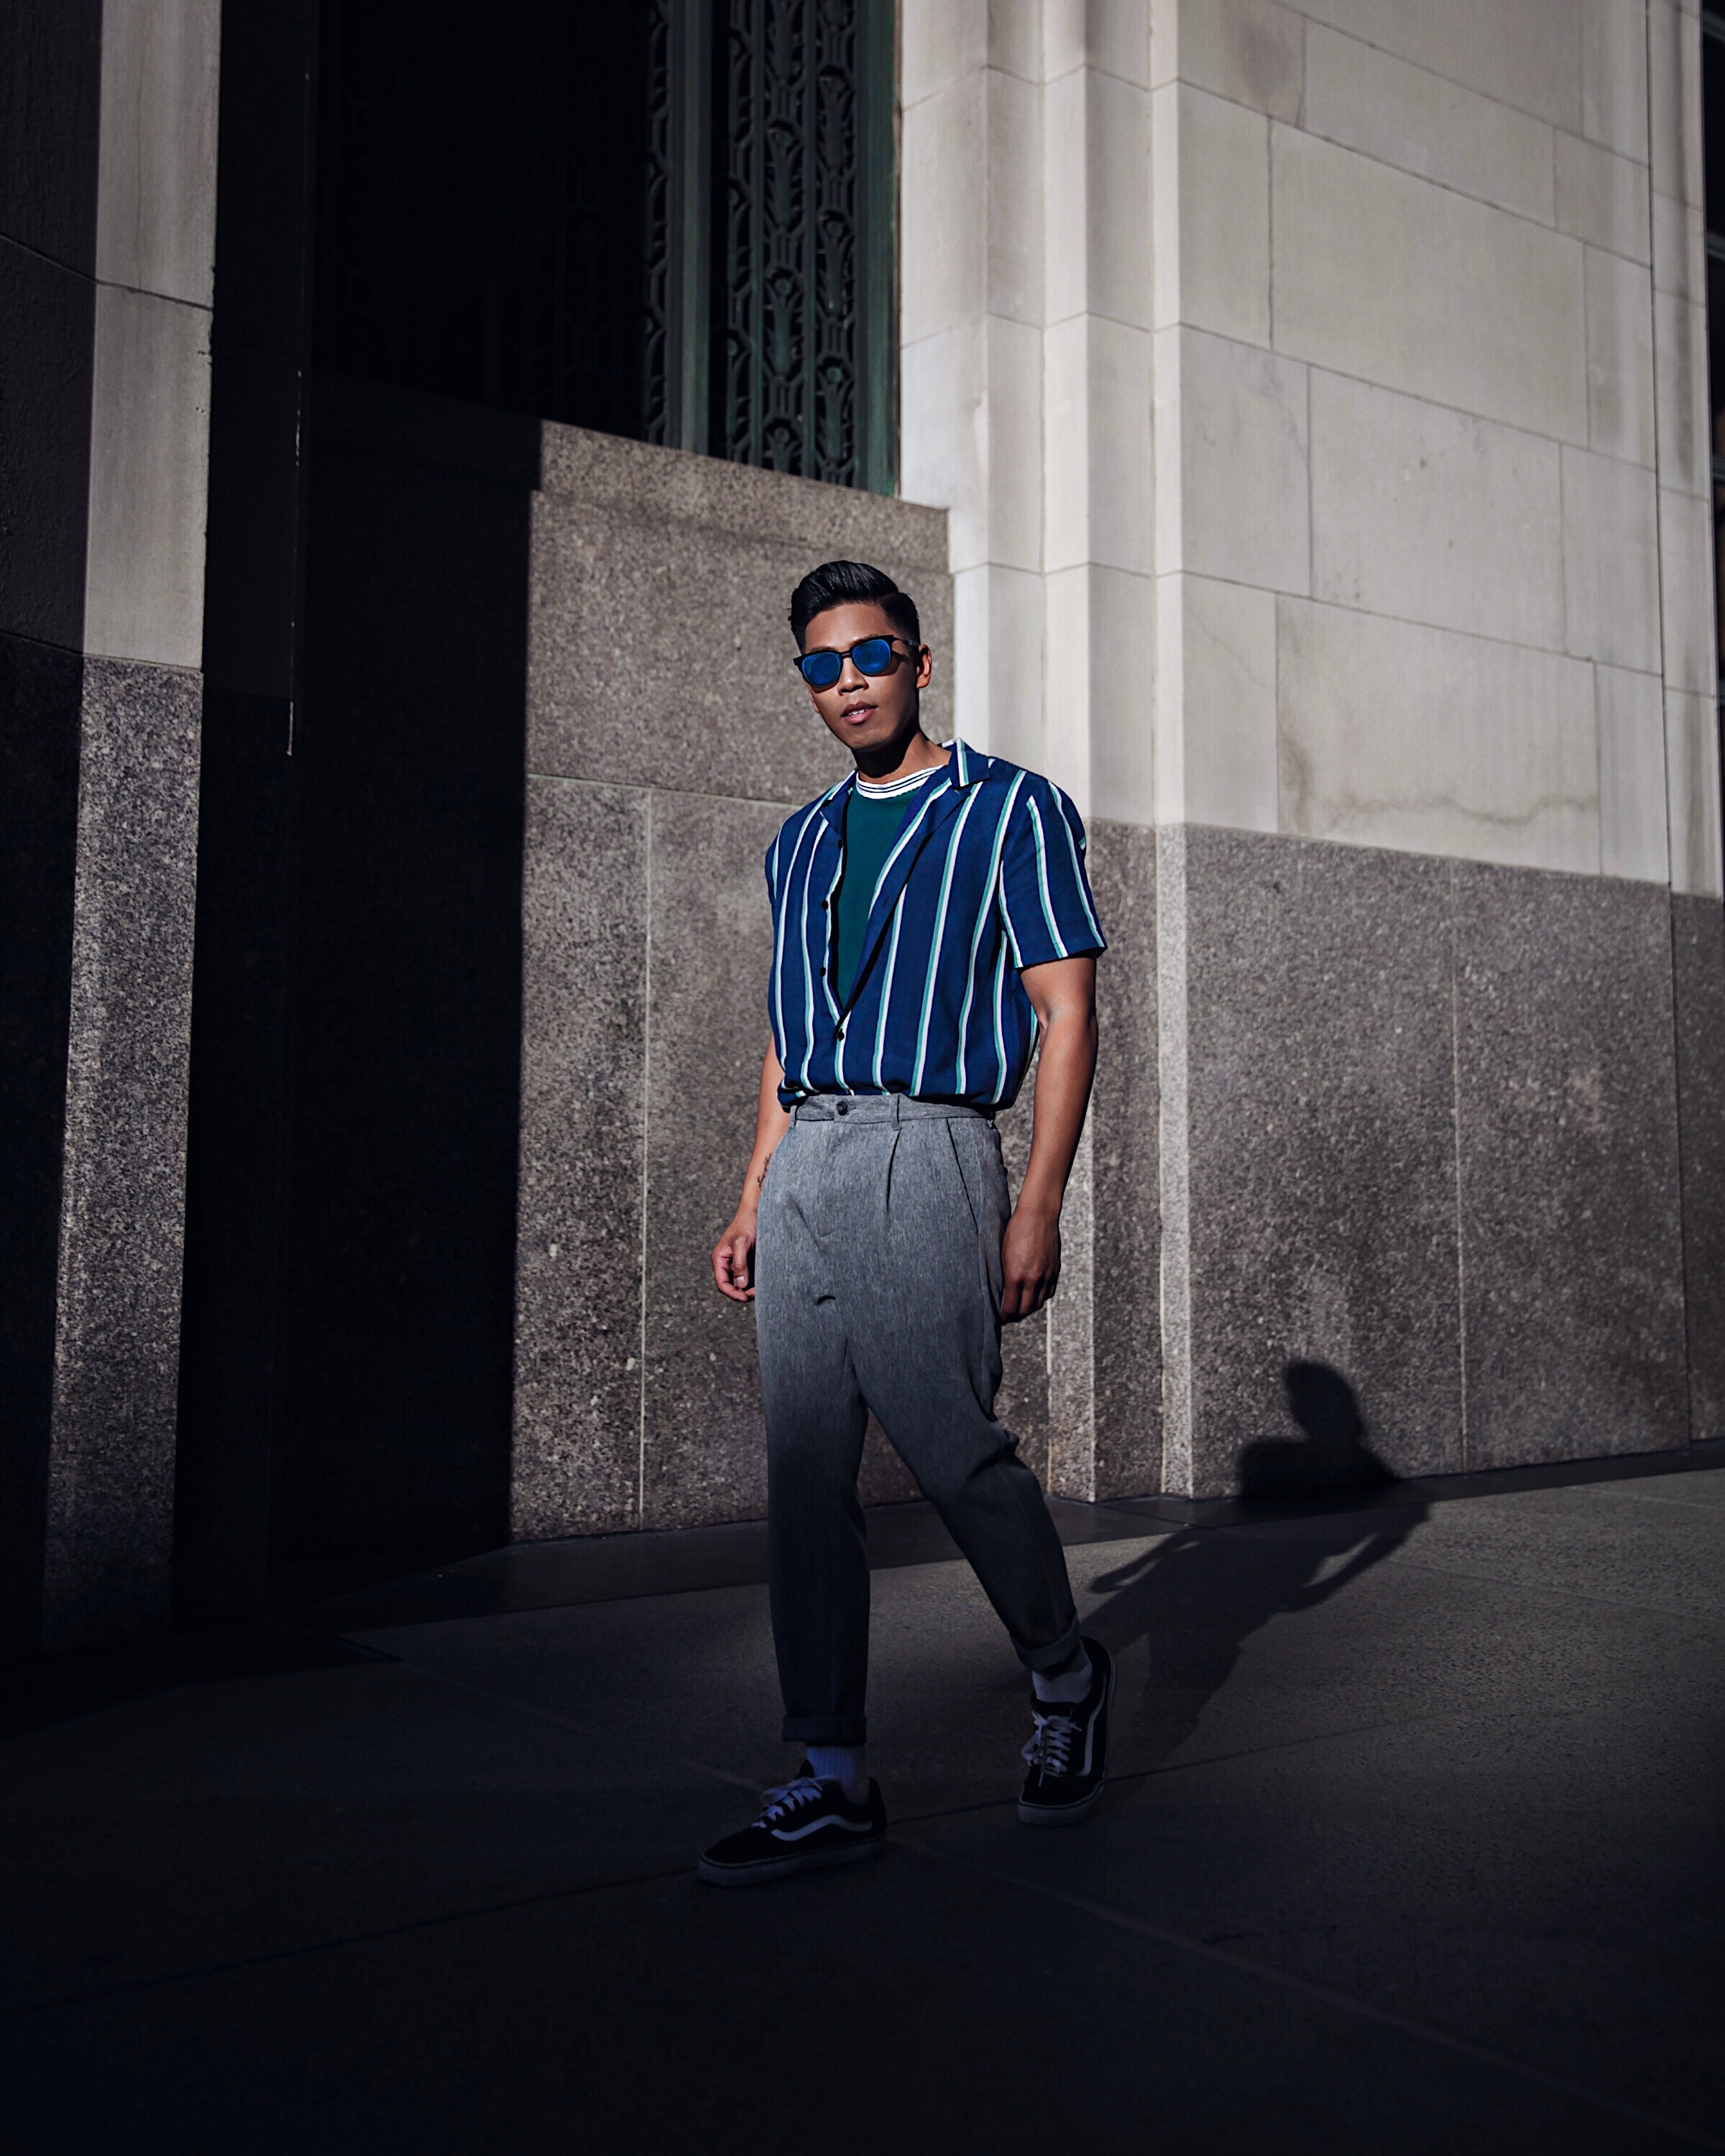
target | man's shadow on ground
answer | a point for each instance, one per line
(1198, 1596)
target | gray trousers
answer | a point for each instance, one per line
(877, 1285)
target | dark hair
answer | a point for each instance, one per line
(848, 583)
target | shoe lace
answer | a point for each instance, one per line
(1049, 1750)
(789, 1797)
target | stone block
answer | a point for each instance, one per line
(1012, 34)
(1395, 734)
(1674, 103)
(1632, 792)
(44, 467)
(1619, 359)
(149, 464)
(1013, 411)
(1251, 52)
(1122, 702)
(658, 647)
(1680, 250)
(1566, 1141)
(1213, 261)
(943, 41)
(50, 132)
(702, 1442)
(156, 228)
(111, 1468)
(1125, 1328)
(1613, 75)
(1686, 592)
(1242, 453)
(1602, 199)
(1014, 118)
(576, 1462)
(1680, 334)
(998, 645)
(1097, 446)
(1698, 958)
(1367, 99)
(943, 270)
(1117, 38)
(1319, 1147)
(1222, 709)
(1380, 274)
(1529, 58)
(1691, 777)
(943, 452)
(1611, 579)
(1119, 182)
(1428, 515)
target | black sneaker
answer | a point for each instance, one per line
(1068, 1756)
(805, 1824)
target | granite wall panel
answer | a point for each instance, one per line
(1567, 1151)
(659, 677)
(1125, 1202)
(1698, 955)
(1320, 1147)
(577, 1409)
(111, 1448)
(659, 651)
(703, 1447)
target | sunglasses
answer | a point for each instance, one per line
(873, 655)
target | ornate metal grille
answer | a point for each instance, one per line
(667, 218)
(802, 283)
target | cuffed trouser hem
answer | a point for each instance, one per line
(1033, 1658)
(823, 1729)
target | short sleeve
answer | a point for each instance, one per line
(1044, 894)
(771, 866)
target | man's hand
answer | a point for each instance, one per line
(1030, 1261)
(734, 1259)
(734, 1253)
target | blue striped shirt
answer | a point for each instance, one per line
(986, 878)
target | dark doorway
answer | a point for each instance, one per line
(483, 202)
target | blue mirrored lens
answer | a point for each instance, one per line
(821, 669)
(873, 655)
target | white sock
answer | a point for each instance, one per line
(1068, 1688)
(843, 1764)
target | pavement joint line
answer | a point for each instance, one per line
(1323, 1994)
(196, 1970)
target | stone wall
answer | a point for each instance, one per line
(1319, 394)
(107, 213)
(668, 736)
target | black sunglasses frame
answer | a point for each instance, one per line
(869, 672)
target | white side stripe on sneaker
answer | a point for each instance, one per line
(814, 1826)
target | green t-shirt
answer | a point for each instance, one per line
(872, 824)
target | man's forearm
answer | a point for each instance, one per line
(1065, 1071)
(772, 1121)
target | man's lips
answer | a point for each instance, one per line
(857, 712)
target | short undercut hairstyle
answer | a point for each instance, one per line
(852, 583)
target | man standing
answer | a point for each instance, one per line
(930, 912)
